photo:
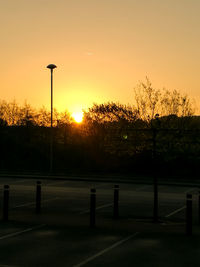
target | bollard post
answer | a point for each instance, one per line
(155, 205)
(189, 214)
(199, 207)
(116, 202)
(5, 202)
(38, 197)
(92, 207)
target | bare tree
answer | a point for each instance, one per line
(151, 101)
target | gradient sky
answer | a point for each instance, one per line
(102, 48)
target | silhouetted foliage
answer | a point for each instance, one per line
(112, 137)
(112, 112)
(151, 101)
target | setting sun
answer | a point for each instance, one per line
(77, 116)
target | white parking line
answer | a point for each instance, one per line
(22, 232)
(105, 250)
(19, 181)
(12, 182)
(32, 203)
(101, 185)
(98, 208)
(56, 183)
(174, 212)
(142, 188)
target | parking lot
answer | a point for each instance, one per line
(61, 236)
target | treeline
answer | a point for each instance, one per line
(160, 132)
(12, 114)
(149, 102)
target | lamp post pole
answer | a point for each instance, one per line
(155, 171)
(51, 67)
(155, 182)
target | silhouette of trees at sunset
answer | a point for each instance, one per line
(112, 136)
(151, 101)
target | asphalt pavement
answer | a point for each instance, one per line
(60, 235)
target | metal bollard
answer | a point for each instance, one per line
(155, 204)
(199, 207)
(116, 202)
(92, 207)
(189, 214)
(5, 202)
(38, 197)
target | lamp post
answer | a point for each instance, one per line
(155, 182)
(154, 157)
(51, 67)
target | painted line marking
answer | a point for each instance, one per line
(13, 182)
(98, 208)
(174, 212)
(19, 181)
(101, 185)
(141, 188)
(106, 250)
(56, 183)
(32, 203)
(22, 232)
(69, 185)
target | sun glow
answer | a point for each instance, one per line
(78, 116)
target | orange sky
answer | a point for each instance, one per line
(102, 49)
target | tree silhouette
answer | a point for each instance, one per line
(151, 101)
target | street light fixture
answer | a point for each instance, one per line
(51, 67)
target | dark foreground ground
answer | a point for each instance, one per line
(60, 235)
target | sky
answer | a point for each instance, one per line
(102, 49)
